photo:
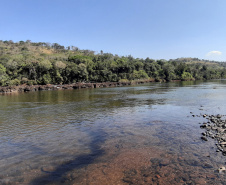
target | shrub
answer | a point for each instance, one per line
(14, 82)
(46, 79)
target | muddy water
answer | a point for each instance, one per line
(142, 134)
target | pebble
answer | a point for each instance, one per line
(215, 129)
(204, 138)
(203, 126)
(206, 165)
(223, 143)
(219, 116)
(221, 169)
(158, 176)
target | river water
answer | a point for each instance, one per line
(143, 134)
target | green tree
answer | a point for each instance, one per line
(169, 72)
(3, 75)
(186, 76)
(82, 72)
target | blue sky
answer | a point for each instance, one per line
(158, 29)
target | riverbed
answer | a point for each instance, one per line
(138, 134)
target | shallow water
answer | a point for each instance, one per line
(141, 134)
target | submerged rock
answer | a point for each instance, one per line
(204, 138)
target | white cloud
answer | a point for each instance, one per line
(214, 53)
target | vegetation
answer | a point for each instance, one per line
(44, 63)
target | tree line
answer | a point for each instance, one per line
(27, 62)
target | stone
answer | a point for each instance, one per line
(221, 169)
(223, 143)
(204, 134)
(219, 116)
(158, 176)
(202, 126)
(207, 165)
(204, 138)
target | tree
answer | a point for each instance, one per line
(82, 72)
(139, 74)
(139, 65)
(186, 76)
(59, 67)
(43, 63)
(169, 71)
(71, 72)
(3, 75)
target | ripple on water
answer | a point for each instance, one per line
(131, 135)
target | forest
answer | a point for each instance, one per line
(27, 62)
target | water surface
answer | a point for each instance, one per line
(143, 134)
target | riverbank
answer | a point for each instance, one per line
(81, 85)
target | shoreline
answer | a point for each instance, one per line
(78, 85)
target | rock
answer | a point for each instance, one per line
(219, 116)
(200, 181)
(202, 126)
(206, 165)
(204, 138)
(158, 176)
(48, 169)
(215, 129)
(221, 169)
(213, 120)
(164, 162)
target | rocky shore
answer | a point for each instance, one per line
(215, 128)
(27, 88)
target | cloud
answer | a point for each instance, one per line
(214, 53)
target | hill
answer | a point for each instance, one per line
(45, 63)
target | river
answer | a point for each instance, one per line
(143, 134)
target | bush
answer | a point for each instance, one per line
(14, 82)
(46, 79)
(186, 76)
(31, 82)
(24, 80)
(3, 80)
(124, 80)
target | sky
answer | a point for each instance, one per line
(158, 29)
